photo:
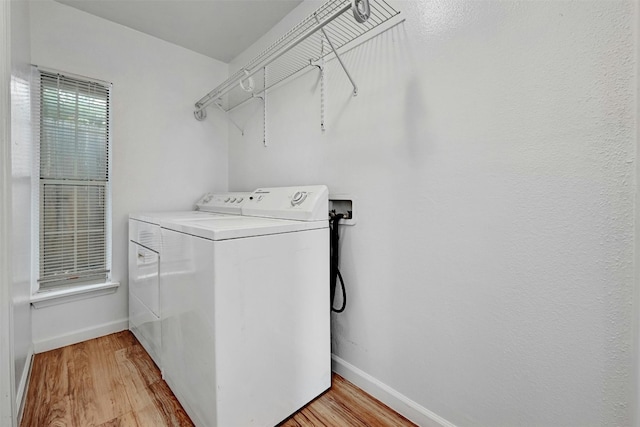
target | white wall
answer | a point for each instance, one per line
(21, 167)
(163, 158)
(491, 153)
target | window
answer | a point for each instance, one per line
(74, 235)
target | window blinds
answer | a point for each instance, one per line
(74, 179)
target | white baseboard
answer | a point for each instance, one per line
(81, 335)
(387, 395)
(23, 386)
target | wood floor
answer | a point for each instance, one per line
(346, 405)
(112, 382)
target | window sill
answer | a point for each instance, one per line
(63, 296)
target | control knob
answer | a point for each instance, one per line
(298, 198)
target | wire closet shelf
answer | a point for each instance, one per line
(320, 34)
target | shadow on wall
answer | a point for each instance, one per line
(387, 73)
(415, 121)
(415, 116)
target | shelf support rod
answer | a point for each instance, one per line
(264, 108)
(321, 70)
(322, 86)
(355, 87)
(320, 66)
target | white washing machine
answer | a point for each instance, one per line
(144, 263)
(245, 309)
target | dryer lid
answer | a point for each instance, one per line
(157, 217)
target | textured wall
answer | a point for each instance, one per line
(163, 159)
(490, 150)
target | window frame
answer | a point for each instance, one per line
(40, 286)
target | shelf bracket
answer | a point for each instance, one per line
(353, 83)
(226, 113)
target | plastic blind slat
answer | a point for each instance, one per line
(74, 174)
(73, 129)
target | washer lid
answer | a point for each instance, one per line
(157, 217)
(235, 227)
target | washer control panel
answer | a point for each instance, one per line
(304, 203)
(223, 202)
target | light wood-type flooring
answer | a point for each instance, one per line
(112, 382)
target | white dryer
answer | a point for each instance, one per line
(144, 263)
(245, 309)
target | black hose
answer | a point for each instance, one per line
(334, 272)
(344, 295)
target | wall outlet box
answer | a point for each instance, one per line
(343, 204)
